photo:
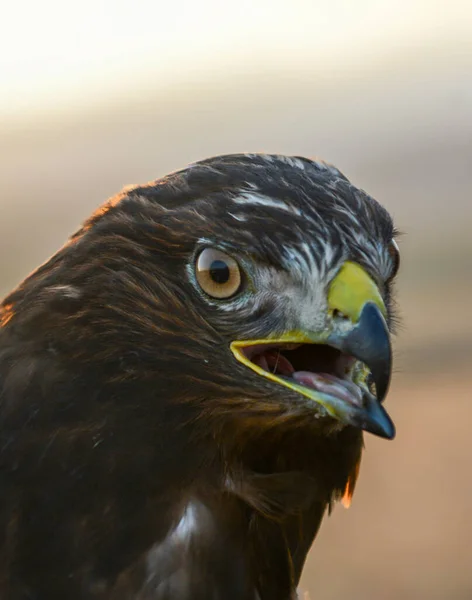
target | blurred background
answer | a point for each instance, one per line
(98, 94)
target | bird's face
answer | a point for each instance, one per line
(307, 324)
(285, 295)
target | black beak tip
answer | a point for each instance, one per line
(377, 421)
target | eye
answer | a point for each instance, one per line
(394, 252)
(218, 274)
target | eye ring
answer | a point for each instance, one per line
(394, 252)
(218, 274)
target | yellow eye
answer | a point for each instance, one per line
(218, 274)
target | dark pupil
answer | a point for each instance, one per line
(219, 271)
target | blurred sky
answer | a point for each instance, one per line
(57, 55)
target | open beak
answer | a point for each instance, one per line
(337, 366)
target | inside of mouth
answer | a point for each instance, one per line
(315, 366)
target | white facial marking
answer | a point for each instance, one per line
(238, 217)
(301, 293)
(261, 200)
(251, 186)
(293, 162)
(67, 291)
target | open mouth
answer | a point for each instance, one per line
(346, 373)
(315, 367)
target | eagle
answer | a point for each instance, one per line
(185, 384)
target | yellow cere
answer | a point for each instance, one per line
(351, 289)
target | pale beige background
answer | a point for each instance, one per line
(104, 97)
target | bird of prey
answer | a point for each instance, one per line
(185, 384)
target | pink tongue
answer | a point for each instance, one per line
(329, 384)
